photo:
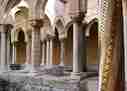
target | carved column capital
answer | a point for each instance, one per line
(78, 18)
(36, 23)
(5, 27)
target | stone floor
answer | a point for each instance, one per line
(46, 80)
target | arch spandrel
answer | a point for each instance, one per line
(47, 28)
(21, 18)
(59, 23)
(15, 34)
(9, 20)
(37, 8)
(10, 6)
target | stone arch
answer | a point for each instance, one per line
(20, 47)
(67, 35)
(69, 45)
(17, 6)
(64, 33)
(88, 28)
(92, 45)
(21, 18)
(46, 29)
(22, 10)
(56, 48)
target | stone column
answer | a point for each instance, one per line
(28, 55)
(43, 53)
(35, 51)
(51, 52)
(8, 49)
(14, 53)
(77, 10)
(4, 28)
(3, 48)
(62, 52)
(9, 28)
(78, 48)
(28, 52)
(111, 57)
(47, 52)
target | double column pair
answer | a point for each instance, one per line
(36, 44)
(4, 59)
(47, 52)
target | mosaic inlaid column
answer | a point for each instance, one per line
(111, 57)
(125, 39)
(36, 51)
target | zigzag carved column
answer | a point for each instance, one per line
(36, 51)
(110, 24)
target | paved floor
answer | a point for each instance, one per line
(93, 84)
(91, 80)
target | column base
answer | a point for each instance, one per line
(30, 68)
(42, 64)
(49, 66)
(34, 68)
(78, 76)
(3, 69)
(61, 64)
(27, 68)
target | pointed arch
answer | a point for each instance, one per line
(20, 47)
(89, 26)
(92, 49)
(59, 23)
